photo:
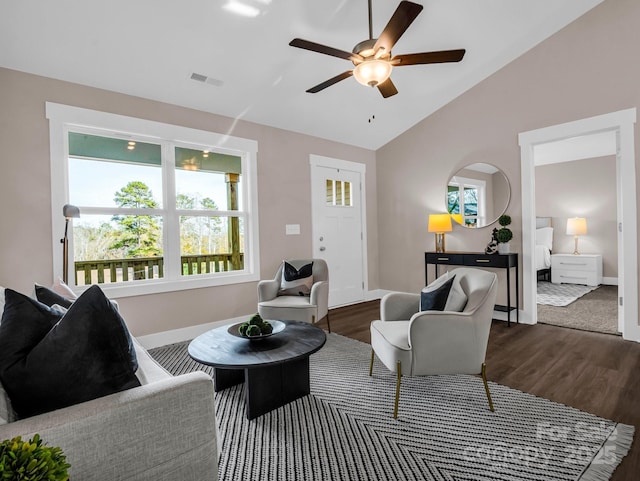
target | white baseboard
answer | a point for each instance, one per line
(183, 334)
(158, 339)
(610, 281)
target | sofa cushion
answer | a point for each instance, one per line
(50, 297)
(49, 360)
(296, 282)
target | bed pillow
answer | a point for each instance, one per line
(544, 237)
(90, 344)
(296, 282)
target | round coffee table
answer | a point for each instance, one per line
(275, 370)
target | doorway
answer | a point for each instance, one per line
(338, 226)
(622, 123)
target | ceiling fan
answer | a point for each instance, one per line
(372, 57)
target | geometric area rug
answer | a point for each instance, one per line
(560, 295)
(344, 430)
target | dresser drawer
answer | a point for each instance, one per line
(559, 276)
(576, 269)
(574, 263)
(444, 258)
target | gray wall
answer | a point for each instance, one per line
(25, 196)
(582, 188)
(582, 71)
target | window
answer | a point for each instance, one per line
(339, 193)
(465, 198)
(156, 213)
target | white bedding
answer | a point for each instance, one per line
(544, 244)
(542, 257)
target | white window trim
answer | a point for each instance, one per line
(481, 187)
(62, 118)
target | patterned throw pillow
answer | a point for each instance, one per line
(296, 282)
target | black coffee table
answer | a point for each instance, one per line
(275, 370)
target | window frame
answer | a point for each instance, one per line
(481, 186)
(64, 118)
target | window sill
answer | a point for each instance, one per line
(158, 286)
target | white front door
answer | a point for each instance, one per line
(338, 232)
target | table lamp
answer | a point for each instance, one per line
(576, 227)
(439, 224)
(68, 211)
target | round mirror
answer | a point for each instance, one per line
(477, 195)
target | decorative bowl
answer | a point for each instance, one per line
(278, 326)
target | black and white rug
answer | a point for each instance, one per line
(560, 295)
(345, 429)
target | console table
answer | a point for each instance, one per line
(478, 259)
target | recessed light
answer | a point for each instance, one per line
(131, 142)
(243, 9)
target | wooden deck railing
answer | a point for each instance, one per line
(123, 270)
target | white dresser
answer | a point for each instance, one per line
(576, 269)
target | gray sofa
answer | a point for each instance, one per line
(163, 430)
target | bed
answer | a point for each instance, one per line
(543, 248)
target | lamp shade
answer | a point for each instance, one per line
(70, 211)
(372, 71)
(577, 226)
(439, 223)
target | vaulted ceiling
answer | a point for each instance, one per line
(152, 48)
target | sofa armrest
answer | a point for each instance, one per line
(319, 297)
(268, 290)
(399, 306)
(165, 430)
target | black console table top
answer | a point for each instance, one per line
(480, 259)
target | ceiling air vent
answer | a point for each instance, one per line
(198, 77)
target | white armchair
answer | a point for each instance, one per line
(436, 342)
(311, 308)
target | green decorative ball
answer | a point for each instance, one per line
(253, 331)
(243, 328)
(255, 320)
(32, 461)
(266, 328)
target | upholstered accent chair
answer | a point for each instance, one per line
(273, 304)
(436, 342)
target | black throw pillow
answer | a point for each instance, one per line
(86, 354)
(50, 297)
(434, 297)
(296, 282)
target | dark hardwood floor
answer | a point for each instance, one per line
(597, 373)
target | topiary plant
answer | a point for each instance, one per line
(31, 461)
(504, 234)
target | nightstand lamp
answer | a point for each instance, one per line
(576, 227)
(439, 224)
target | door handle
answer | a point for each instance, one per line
(323, 249)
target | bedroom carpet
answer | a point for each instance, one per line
(345, 429)
(596, 311)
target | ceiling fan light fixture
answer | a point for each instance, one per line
(372, 71)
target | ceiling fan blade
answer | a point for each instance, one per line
(316, 47)
(387, 89)
(330, 82)
(428, 57)
(404, 15)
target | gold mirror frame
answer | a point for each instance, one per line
(487, 193)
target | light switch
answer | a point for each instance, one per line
(292, 229)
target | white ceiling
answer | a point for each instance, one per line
(149, 48)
